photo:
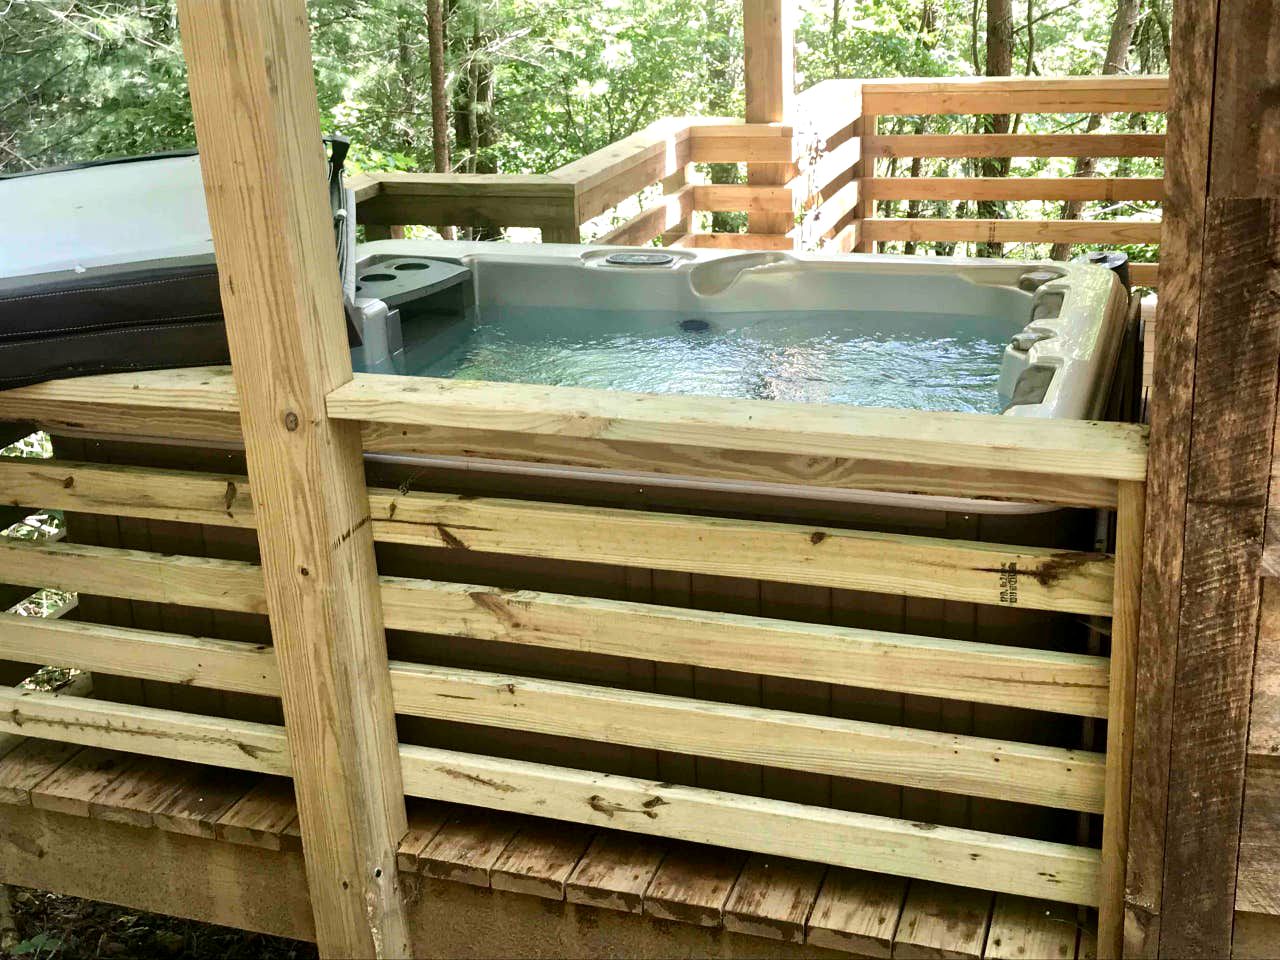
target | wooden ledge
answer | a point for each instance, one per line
(480, 883)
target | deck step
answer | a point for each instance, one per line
(859, 913)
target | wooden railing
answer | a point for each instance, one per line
(1056, 462)
(833, 145)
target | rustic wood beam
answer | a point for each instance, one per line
(1213, 421)
(254, 99)
(770, 87)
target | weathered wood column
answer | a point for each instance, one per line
(768, 41)
(258, 129)
(1213, 429)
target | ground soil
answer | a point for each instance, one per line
(67, 928)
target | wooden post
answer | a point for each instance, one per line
(864, 171)
(1130, 511)
(1213, 411)
(770, 85)
(254, 100)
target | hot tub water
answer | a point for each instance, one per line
(865, 358)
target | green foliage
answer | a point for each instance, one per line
(533, 84)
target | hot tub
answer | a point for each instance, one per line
(1024, 339)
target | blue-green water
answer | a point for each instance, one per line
(879, 359)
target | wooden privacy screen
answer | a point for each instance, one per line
(1056, 462)
(823, 165)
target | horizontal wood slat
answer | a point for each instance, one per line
(984, 860)
(1013, 231)
(736, 241)
(960, 146)
(824, 556)
(1145, 275)
(987, 673)
(220, 742)
(967, 95)
(974, 766)
(1057, 461)
(664, 214)
(748, 197)
(896, 564)
(1014, 188)
(1073, 448)
(1067, 683)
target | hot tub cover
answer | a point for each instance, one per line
(108, 267)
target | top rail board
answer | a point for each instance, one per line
(1074, 463)
(1070, 448)
(968, 95)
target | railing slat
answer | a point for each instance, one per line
(1013, 231)
(972, 766)
(964, 670)
(899, 564)
(1073, 448)
(959, 146)
(984, 860)
(1015, 188)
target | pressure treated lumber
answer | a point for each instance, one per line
(954, 763)
(944, 921)
(1007, 864)
(662, 215)
(1073, 448)
(886, 563)
(856, 912)
(1066, 462)
(982, 860)
(988, 673)
(253, 100)
(1013, 231)
(1022, 929)
(615, 871)
(860, 560)
(975, 766)
(772, 897)
(1014, 188)
(960, 146)
(769, 91)
(1130, 517)
(693, 884)
(239, 744)
(967, 95)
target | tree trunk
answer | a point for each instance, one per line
(999, 64)
(439, 98)
(1122, 28)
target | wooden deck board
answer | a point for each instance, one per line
(693, 884)
(195, 809)
(72, 786)
(774, 897)
(540, 859)
(468, 845)
(266, 816)
(615, 871)
(857, 912)
(142, 785)
(28, 764)
(940, 921)
(849, 911)
(426, 817)
(1025, 929)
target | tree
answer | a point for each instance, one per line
(999, 63)
(1123, 25)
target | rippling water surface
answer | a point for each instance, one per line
(885, 359)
